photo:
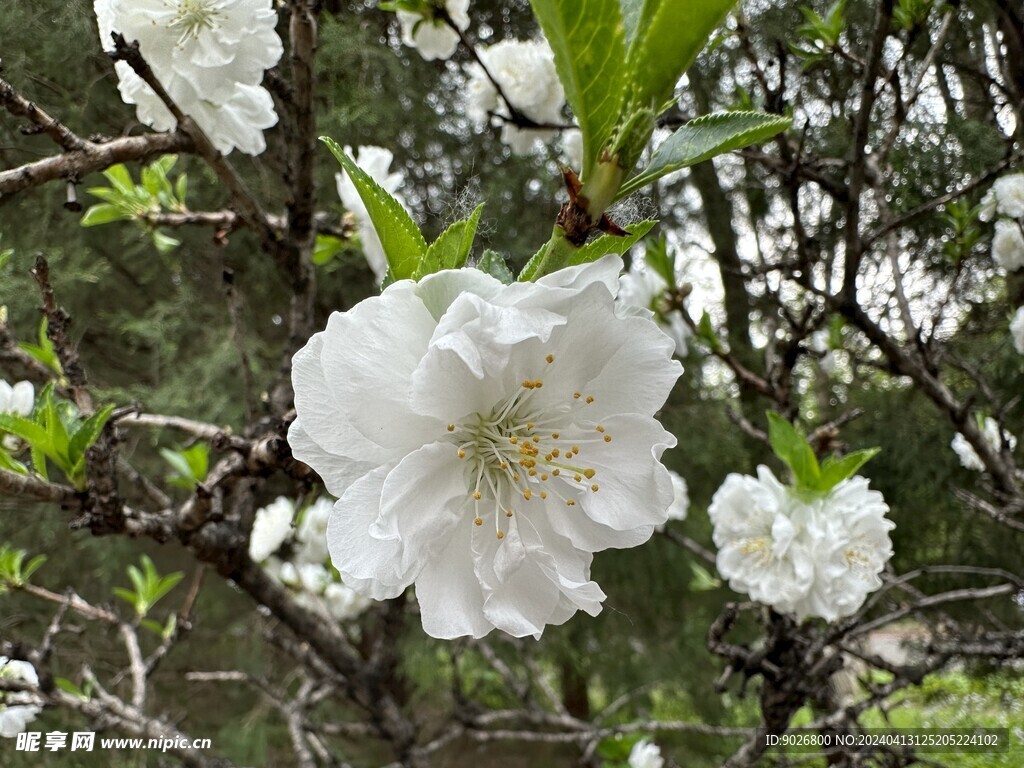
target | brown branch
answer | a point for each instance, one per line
(13, 484)
(19, 106)
(94, 157)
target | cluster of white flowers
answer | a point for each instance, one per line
(209, 55)
(644, 288)
(802, 554)
(17, 400)
(376, 162)
(304, 570)
(525, 70)
(1017, 330)
(430, 35)
(17, 708)
(485, 440)
(1006, 199)
(993, 436)
(645, 754)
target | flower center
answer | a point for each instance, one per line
(520, 451)
(193, 17)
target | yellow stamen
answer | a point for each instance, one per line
(554, 435)
(550, 358)
(590, 399)
(570, 503)
(527, 494)
(600, 428)
(476, 495)
(594, 487)
(451, 427)
(607, 438)
(501, 535)
(462, 454)
(478, 521)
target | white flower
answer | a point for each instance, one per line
(969, 458)
(988, 206)
(209, 55)
(801, 554)
(17, 708)
(484, 440)
(270, 528)
(17, 400)
(1008, 245)
(645, 754)
(344, 603)
(819, 344)
(525, 70)
(1009, 195)
(432, 37)
(1017, 330)
(311, 534)
(644, 288)
(376, 162)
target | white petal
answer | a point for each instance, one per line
(449, 593)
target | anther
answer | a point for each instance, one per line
(590, 399)
(514, 440)
(462, 454)
(508, 513)
(589, 473)
(556, 472)
(543, 494)
(576, 395)
(527, 494)
(575, 449)
(501, 535)
(550, 358)
(577, 478)
(478, 521)
(555, 453)
(451, 427)
(594, 487)
(476, 495)
(607, 438)
(554, 435)
(543, 477)
(570, 503)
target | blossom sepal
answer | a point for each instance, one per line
(790, 445)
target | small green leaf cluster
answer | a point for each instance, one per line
(962, 230)
(148, 587)
(128, 201)
(44, 351)
(790, 444)
(819, 35)
(54, 432)
(911, 14)
(409, 256)
(14, 571)
(189, 465)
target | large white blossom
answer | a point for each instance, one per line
(969, 458)
(432, 37)
(644, 288)
(645, 754)
(525, 70)
(271, 526)
(17, 708)
(1005, 197)
(1008, 245)
(484, 440)
(210, 57)
(802, 554)
(1017, 330)
(376, 163)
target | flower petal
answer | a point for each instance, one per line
(449, 593)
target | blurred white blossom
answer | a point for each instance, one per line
(432, 37)
(1008, 245)
(645, 754)
(525, 70)
(1005, 197)
(644, 288)
(484, 440)
(17, 708)
(802, 554)
(271, 526)
(1017, 330)
(965, 451)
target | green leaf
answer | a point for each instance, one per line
(834, 471)
(704, 138)
(87, 433)
(588, 40)
(791, 446)
(402, 240)
(11, 464)
(706, 332)
(658, 258)
(164, 243)
(181, 188)
(127, 595)
(325, 248)
(119, 176)
(69, 687)
(104, 213)
(668, 36)
(32, 433)
(702, 580)
(606, 244)
(493, 263)
(452, 247)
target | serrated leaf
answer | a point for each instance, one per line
(588, 40)
(32, 433)
(119, 176)
(493, 263)
(834, 471)
(104, 213)
(606, 244)
(402, 240)
(87, 433)
(704, 138)
(11, 464)
(669, 35)
(791, 446)
(452, 247)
